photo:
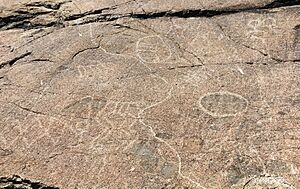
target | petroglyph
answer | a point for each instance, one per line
(149, 159)
(192, 144)
(153, 49)
(119, 43)
(259, 27)
(164, 136)
(196, 77)
(123, 109)
(158, 94)
(278, 166)
(169, 170)
(266, 182)
(243, 166)
(108, 120)
(88, 71)
(223, 104)
(87, 107)
(95, 108)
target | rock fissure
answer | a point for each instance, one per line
(189, 13)
(24, 19)
(47, 4)
(14, 60)
(16, 182)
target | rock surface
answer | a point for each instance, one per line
(16, 182)
(150, 94)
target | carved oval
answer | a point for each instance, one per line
(268, 182)
(223, 104)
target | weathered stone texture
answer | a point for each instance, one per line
(150, 94)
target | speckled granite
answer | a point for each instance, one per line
(160, 94)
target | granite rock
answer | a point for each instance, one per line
(150, 94)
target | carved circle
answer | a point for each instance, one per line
(153, 49)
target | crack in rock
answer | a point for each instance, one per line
(212, 13)
(19, 17)
(14, 60)
(16, 182)
(47, 4)
(22, 19)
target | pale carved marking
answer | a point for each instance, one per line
(266, 182)
(153, 49)
(257, 28)
(119, 43)
(115, 119)
(86, 107)
(223, 104)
